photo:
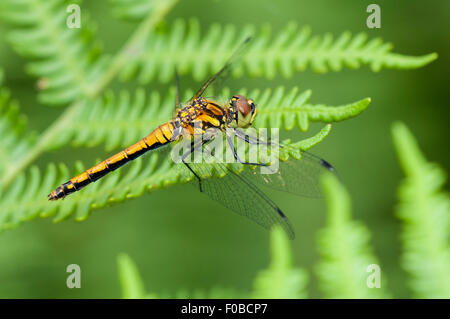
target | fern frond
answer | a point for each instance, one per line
(291, 50)
(45, 140)
(135, 9)
(213, 293)
(132, 286)
(290, 109)
(105, 122)
(344, 249)
(130, 280)
(26, 197)
(424, 210)
(281, 280)
(65, 60)
(120, 120)
(117, 120)
(15, 140)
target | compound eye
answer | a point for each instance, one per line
(242, 104)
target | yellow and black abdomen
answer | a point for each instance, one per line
(159, 137)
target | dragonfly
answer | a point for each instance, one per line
(238, 192)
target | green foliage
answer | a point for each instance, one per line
(424, 210)
(345, 254)
(119, 121)
(129, 278)
(71, 69)
(14, 139)
(291, 50)
(281, 279)
(108, 120)
(26, 198)
(135, 9)
(213, 293)
(132, 286)
(66, 61)
(68, 65)
(132, 47)
(344, 249)
(289, 109)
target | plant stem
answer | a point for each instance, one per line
(132, 47)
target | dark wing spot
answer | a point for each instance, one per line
(281, 213)
(327, 165)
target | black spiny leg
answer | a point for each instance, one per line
(256, 140)
(193, 148)
(251, 139)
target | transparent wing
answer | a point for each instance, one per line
(219, 78)
(177, 90)
(299, 177)
(241, 196)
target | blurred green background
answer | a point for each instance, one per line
(192, 242)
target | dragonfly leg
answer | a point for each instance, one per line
(183, 157)
(230, 142)
(251, 139)
(195, 174)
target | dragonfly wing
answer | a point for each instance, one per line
(223, 73)
(299, 177)
(242, 196)
(177, 92)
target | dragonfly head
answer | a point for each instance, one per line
(244, 110)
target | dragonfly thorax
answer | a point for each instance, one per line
(190, 112)
(201, 114)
